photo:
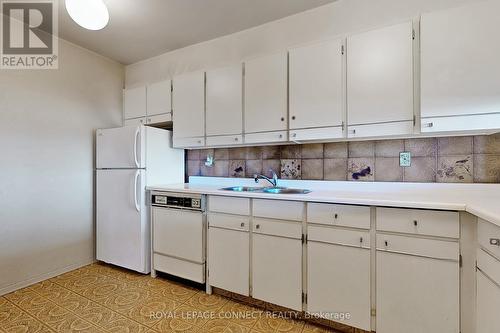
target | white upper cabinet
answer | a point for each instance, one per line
(188, 101)
(380, 82)
(266, 94)
(316, 89)
(224, 109)
(134, 102)
(159, 99)
(460, 53)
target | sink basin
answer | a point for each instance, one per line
(242, 189)
(282, 190)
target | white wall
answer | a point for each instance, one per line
(339, 18)
(47, 122)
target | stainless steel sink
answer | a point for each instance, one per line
(283, 190)
(242, 188)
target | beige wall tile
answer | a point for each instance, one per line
(193, 168)
(422, 170)
(253, 167)
(268, 165)
(335, 150)
(193, 154)
(421, 147)
(486, 168)
(461, 145)
(487, 144)
(314, 150)
(290, 152)
(239, 153)
(389, 148)
(221, 168)
(335, 168)
(455, 169)
(387, 169)
(221, 154)
(361, 169)
(254, 153)
(361, 149)
(312, 169)
(270, 152)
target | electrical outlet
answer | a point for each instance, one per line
(405, 159)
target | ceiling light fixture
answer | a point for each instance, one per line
(89, 14)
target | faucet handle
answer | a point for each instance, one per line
(256, 178)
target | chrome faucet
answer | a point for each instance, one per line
(273, 180)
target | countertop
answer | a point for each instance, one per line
(481, 200)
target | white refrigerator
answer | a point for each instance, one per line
(127, 160)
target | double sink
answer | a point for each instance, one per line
(272, 190)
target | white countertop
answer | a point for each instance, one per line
(482, 200)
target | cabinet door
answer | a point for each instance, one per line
(134, 102)
(316, 85)
(225, 101)
(188, 99)
(266, 94)
(159, 98)
(338, 282)
(460, 67)
(417, 294)
(229, 260)
(380, 76)
(277, 270)
(488, 304)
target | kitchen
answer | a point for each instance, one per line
(297, 166)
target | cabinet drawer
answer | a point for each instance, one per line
(266, 137)
(277, 209)
(234, 222)
(189, 142)
(277, 228)
(419, 246)
(229, 205)
(158, 119)
(316, 134)
(224, 140)
(338, 236)
(181, 268)
(343, 215)
(488, 265)
(134, 121)
(376, 130)
(488, 236)
(419, 222)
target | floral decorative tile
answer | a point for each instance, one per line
(455, 169)
(361, 169)
(291, 169)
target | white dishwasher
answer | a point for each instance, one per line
(178, 235)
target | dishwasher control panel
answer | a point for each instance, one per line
(177, 201)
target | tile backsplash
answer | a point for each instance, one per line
(467, 159)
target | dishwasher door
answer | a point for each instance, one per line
(179, 233)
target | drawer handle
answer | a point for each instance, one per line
(361, 239)
(415, 223)
(242, 224)
(335, 216)
(257, 226)
(495, 241)
(386, 243)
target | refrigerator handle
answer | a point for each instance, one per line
(136, 140)
(136, 202)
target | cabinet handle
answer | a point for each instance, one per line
(257, 226)
(353, 131)
(415, 223)
(386, 243)
(495, 241)
(428, 125)
(282, 118)
(242, 224)
(281, 136)
(335, 216)
(199, 141)
(141, 121)
(361, 240)
(235, 139)
(293, 117)
(294, 135)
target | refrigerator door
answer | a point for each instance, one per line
(120, 148)
(122, 223)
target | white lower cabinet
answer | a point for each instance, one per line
(277, 270)
(417, 291)
(488, 293)
(338, 276)
(229, 255)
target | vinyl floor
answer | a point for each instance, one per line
(104, 298)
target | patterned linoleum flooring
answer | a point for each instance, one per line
(102, 298)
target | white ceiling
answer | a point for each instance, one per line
(140, 29)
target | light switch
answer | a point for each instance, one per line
(405, 159)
